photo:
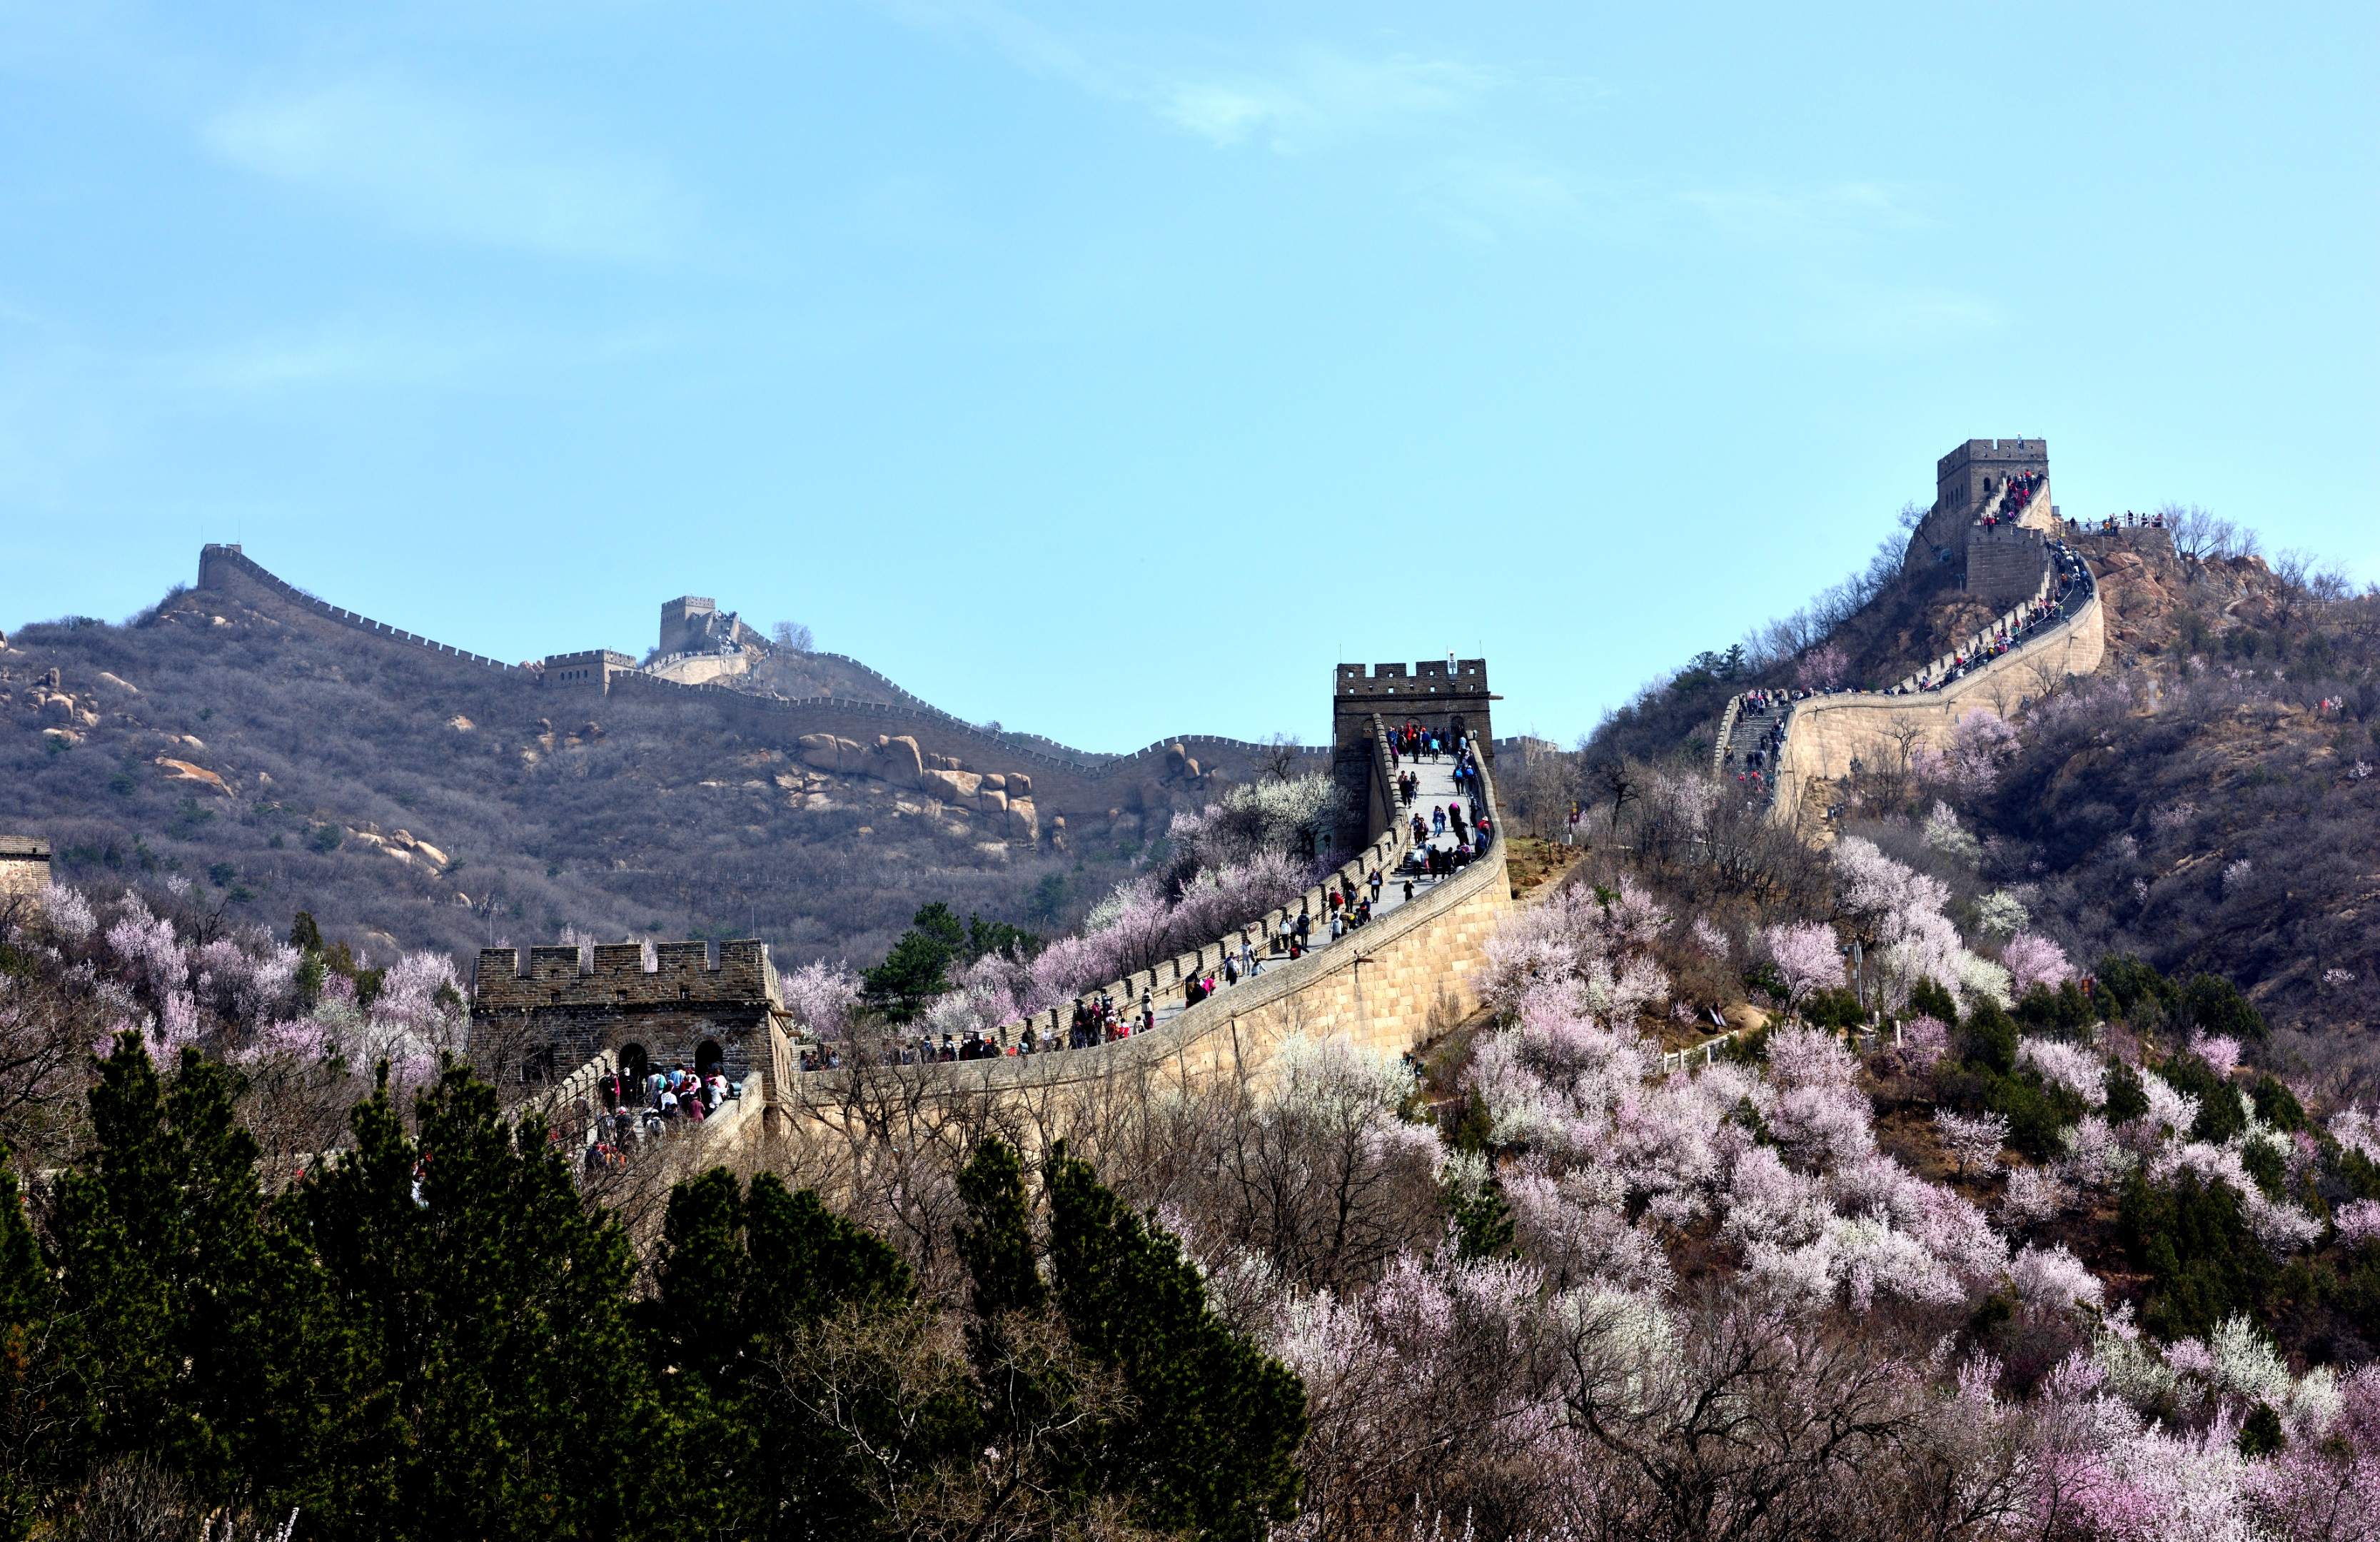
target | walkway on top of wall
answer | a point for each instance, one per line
(1436, 791)
(1181, 1040)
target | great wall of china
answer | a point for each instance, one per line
(1065, 783)
(2056, 630)
(1413, 972)
(1388, 986)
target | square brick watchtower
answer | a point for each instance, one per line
(24, 869)
(545, 1015)
(591, 670)
(1449, 696)
(1965, 480)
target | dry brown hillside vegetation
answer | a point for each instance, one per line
(2206, 801)
(276, 766)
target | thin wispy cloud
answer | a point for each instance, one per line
(1321, 98)
(1287, 100)
(440, 169)
(1763, 216)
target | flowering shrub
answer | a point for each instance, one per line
(1980, 745)
(2357, 1221)
(1806, 958)
(1944, 833)
(2068, 1065)
(1973, 1142)
(2055, 1277)
(1590, 948)
(2032, 960)
(2035, 1195)
(1923, 1040)
(821, 996)
(1903, 909)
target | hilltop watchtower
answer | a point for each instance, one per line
(2004, 560)
(1965, 480)
(686, 623)
(691, 624)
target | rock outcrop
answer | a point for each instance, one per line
(182, 770)
(895, 758)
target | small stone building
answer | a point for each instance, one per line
(541, 1016)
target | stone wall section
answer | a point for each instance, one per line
(1067, 782)
(222, 569)
(1827, 734)
(1394, 986)
(2005, 563)
(1165, 981)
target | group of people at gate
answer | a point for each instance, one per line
(647, 1106)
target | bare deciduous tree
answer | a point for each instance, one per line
(1279, 756)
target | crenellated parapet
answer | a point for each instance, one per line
(540, 1012)
(224, 569)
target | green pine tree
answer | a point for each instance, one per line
(912, 973)
(746, 1283)
(1211, 1442)
(196, 1322)
(39, 1405)
(491, 1386)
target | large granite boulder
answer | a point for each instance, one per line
(895, 760)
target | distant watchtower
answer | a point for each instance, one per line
(686, 623)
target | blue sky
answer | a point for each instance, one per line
(1113, 370)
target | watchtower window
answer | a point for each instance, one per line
(685, 993)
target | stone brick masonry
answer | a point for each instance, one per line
(555, 1010)
(24, 867)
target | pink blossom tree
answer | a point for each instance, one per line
(1823, 668)
(821, 996)
(1806, 957)
(2032, 960)
(1973, 1142)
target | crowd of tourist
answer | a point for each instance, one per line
(1346, 906)
(1415, 743)
(2006, 637)
(646, 1108)
(1755, 768)
(2128, 520)
(2021, 488)
(1412, 742)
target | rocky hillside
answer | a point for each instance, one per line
(277, 763)
(2209, 800)
(2205, 801)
